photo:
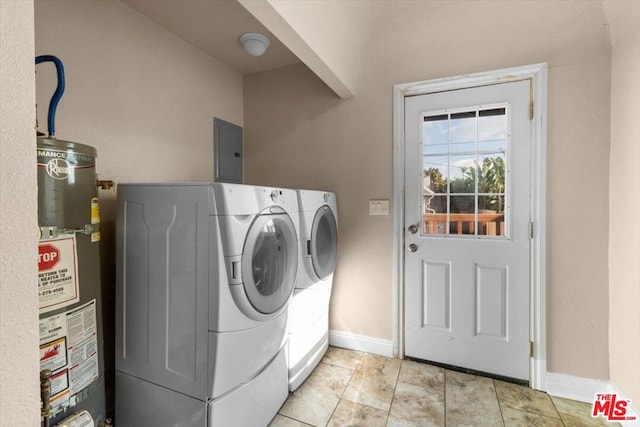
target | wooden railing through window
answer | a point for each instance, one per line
(489, 224)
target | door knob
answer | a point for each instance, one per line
(413, 247)
(413, 229)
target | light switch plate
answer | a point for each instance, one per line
(378, 207)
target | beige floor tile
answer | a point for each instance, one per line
(358, 389)
(422, 374)
(578, 414)
(373, 382)
(471, 401)
(514, 418)
(525, 399)
(280, 421)
(316, 399)
(353, 414)
(342, 357)
(415, 405)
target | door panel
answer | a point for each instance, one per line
(436, 291)
(467, 212)
(491, 300)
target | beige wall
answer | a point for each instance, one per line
(19, 365)
(337, 31)
(298, 134)
(624, 211)
(143, 97)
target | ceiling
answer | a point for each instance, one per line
(215, 26)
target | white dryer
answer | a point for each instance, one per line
(205, 273)
(308, 323)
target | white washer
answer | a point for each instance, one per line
(205, 276)
(308, 323)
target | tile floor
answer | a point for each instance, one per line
(350, 388)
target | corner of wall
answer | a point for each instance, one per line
(19, 401)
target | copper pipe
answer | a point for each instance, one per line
(45, 395)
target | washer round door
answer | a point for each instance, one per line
(324, 242)
(270, 262)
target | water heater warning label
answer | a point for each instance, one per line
(57, 273)
(69, 348)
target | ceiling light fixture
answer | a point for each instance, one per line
(254, 44)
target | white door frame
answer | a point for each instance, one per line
(538, 75)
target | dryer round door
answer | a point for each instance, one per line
(270, 262)
(324, 242)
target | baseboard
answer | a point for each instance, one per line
(361, 343)
(575, 388)
(585, 390)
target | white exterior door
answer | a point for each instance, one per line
(467, 233)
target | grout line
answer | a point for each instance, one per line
(556, 408)
(444, 376)
(495, 391)
(395, 387)
(353, 371)
(295, 419)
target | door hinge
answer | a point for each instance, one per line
(531, 110)
(531, 353)
(531, 229)
(530, 99)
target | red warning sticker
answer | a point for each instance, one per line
(57, 273)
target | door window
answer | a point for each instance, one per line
(269, 262)
(465, 171)
(324, 242)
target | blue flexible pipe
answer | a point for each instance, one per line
(51, 115)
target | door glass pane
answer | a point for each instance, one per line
(462, 214)
(464, 157)
(435, 174)
(435, 134)
(463, 132)
(324, 246)
(492, 180)
(269, 259)
(492, 130)
(462, 173)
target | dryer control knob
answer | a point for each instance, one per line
(326, 197)
(275, 195)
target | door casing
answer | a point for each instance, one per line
(538, 75)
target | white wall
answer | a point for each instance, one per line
(19, 364)
(624, 199)
(298, 134)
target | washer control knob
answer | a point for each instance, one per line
(275, 195)
(326, 197)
